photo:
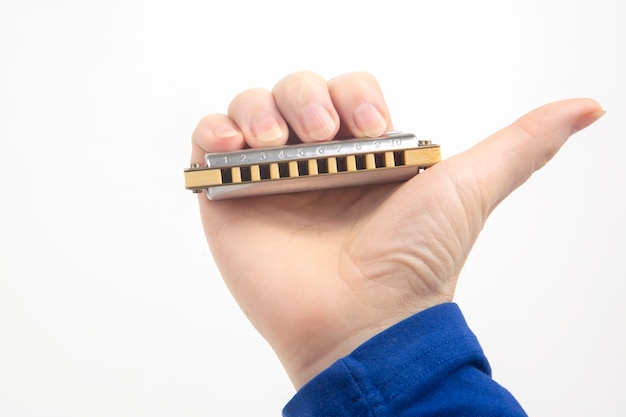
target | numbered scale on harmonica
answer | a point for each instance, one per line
(295, 168)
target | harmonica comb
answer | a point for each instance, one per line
(396, 156)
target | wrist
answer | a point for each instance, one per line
(314, 359)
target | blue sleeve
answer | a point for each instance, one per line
(427, 365)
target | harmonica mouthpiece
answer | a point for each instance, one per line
(305, 167)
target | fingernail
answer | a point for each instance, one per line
(317, 122)
(587, 119)
(369, 120)
(266, 128)
(225, 131)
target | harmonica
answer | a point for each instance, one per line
(395, 156)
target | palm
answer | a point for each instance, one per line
(321, 266)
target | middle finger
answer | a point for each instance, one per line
(304, 101)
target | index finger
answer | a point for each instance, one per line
(215, 133)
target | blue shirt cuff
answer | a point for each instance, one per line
(428, 364)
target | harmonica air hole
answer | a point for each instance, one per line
(227, 176)
(283, 170)
(379, 160)
(322, 166)
(303, 168)
(398, 158)
(342, 164)
(246, 174)
(264, 172)
(360, 162)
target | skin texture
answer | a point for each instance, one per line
(319, 273)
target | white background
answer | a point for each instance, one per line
(110, 304)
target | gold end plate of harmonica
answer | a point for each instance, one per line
(293, 168)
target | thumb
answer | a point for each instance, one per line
(504, 161)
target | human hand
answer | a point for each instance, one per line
(318, 273)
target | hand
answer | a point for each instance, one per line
(319, 273)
